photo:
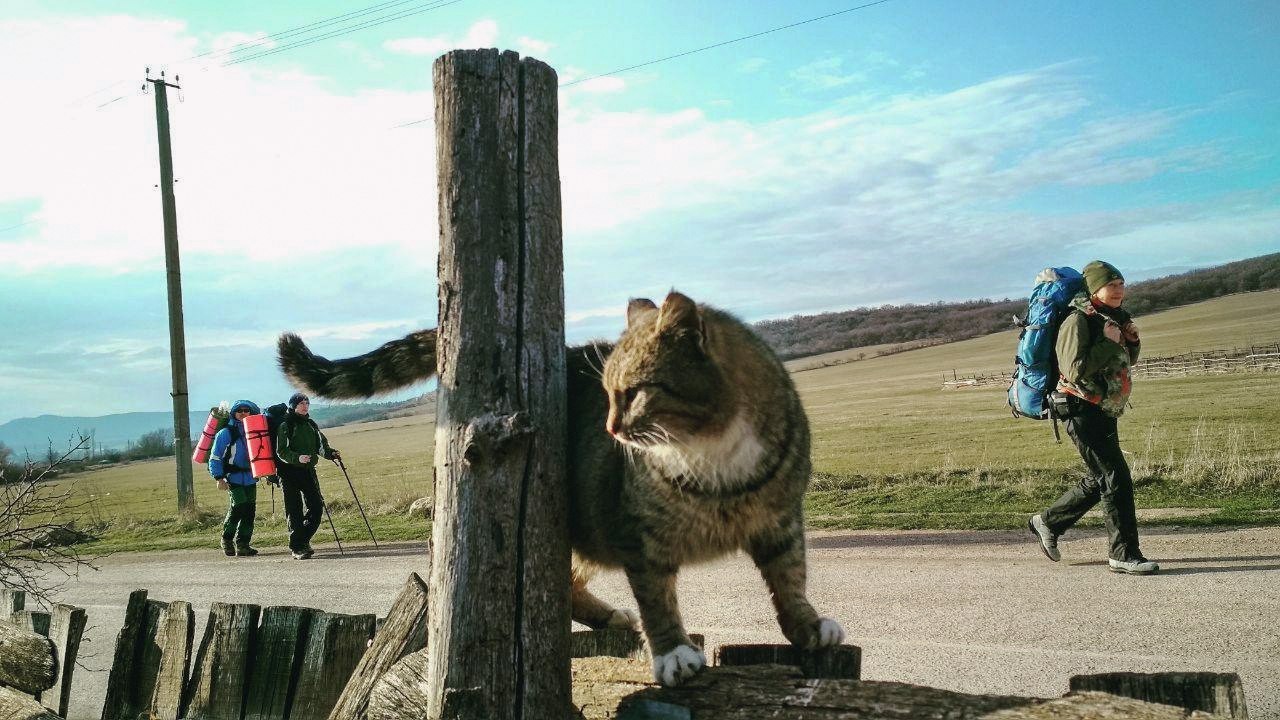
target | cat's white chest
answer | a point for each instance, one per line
(719, 461)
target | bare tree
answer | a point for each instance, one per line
(37, 528)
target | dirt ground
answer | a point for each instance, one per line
(968, 611)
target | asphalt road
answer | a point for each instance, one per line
(970, 611)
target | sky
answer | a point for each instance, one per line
(906, 152)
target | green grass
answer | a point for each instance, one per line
(891, 448)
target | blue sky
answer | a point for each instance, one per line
(907, 152)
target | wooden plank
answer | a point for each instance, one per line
(218, 681)
(65, 630)
(11, 601)
(174, 635)
(610, 642)
(401, 691)
(1216, 693)
(404, 631)
(335, 643)
(276, 658)
(836, 663)
(500, 543)
(27, 660)
(34, 621)
(120, 703)
(16, 706)
(147, 667)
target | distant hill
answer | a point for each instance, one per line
(804, 335)
(33, 435)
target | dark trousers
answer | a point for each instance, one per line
(303, 503)
(1098, 440)
(242, 509)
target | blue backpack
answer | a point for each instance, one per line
(1035, 372)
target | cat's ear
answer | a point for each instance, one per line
(637, 307)
(681, 314)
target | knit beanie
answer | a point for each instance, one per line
(1099, 273)
(297, 398)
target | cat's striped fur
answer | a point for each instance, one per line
(687, 441)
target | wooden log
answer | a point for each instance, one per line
(836, 663)
(610, 642)
(11, 601)
(404, 631)
(217, 687)
(65, 631)
(27, 660)
(500, 551)
(121, 702)
(779, 692)
(16, 706)
(34, 621)
(401, 692)
(174, 636)
(335, 643)
(600, 683)
(277, 656)
(1216, 693)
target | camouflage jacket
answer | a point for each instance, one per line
(1093, 367)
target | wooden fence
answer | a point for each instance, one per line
(37, 656)
(253, 663)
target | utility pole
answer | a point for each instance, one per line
(173, 273)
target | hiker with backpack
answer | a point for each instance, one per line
(229, 465)
(300, 445)
(1097, 343)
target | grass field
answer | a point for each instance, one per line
(891, 447)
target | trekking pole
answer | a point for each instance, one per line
(334, 529)
(358, 505)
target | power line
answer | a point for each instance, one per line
(695, 50)
(239, 47)
(15, 227)
(726, 42)
(361, 26)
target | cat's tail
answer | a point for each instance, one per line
(393, 366)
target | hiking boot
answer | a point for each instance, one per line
(1044, 536)
(1140, 566)
(245, 551)
(228, 549)
(300, 554)
(309, 551)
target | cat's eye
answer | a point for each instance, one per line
(631, 393)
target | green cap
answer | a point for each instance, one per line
(1099, 273)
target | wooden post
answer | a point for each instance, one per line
(217, 686)
(335, 644)
(122, 701)
(1215, 693)
(65, 630)
(175, 631)
(500, 555)
(26, 660)
(404, 631)
(272, 675)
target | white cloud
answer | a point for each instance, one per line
(752, 65)
(531, 46)
(826, 74)
(482, 34)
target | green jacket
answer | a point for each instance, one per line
(1092, 366)
(300, 435)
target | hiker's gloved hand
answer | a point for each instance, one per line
(1113, 333)
(334, 455)
(222, 484)
(304, 459)
(1130, 332)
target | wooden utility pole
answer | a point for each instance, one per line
(173, 273)
(498, 637)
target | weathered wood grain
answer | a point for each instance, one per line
(175, 633)
(27, 660)
(16, 706)
(837, 663)
(610, 642)
(1215, 693)
(401, 692)
(277, 656)
(217, 687)
(121, 702)
(11, 601)
(65, 631)
(500, 550)
(335, 643)
(35, 621)
(404, 631)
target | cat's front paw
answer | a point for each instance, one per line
(627, 619)
(822, 632)
(680, 664)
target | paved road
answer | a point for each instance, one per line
(972, 611)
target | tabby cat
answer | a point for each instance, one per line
(689, 445)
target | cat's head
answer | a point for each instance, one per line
(665, 387)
